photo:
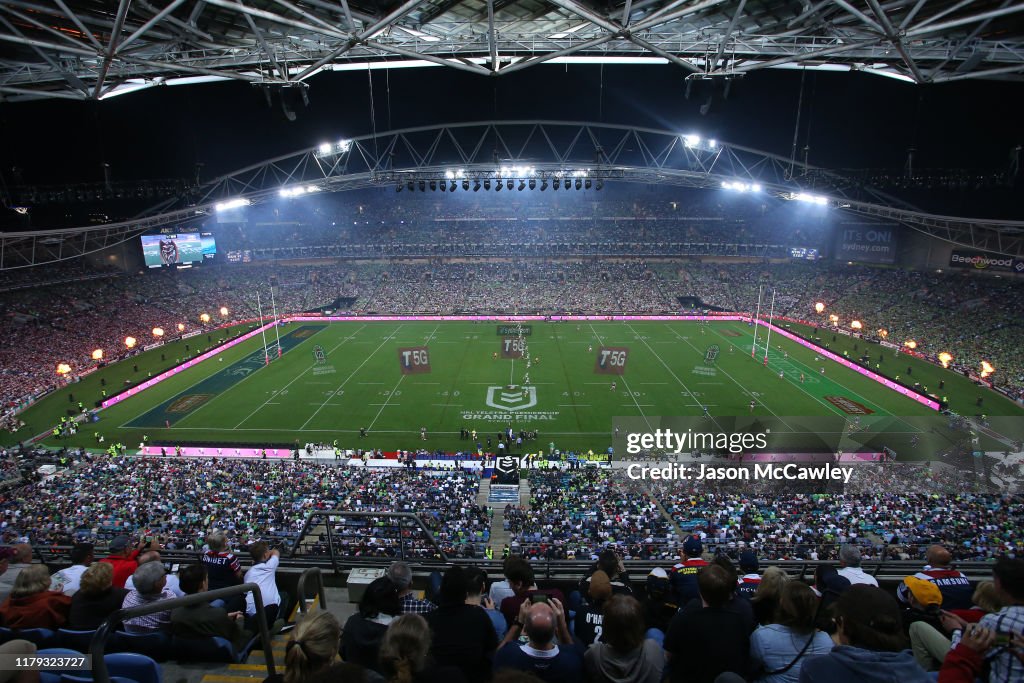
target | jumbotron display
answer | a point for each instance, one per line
(176, 249)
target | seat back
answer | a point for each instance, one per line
(155, 645)
(42, 637)
(139, 668)
(75, 640)
(62, 652)
(211, 649)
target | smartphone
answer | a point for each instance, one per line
(539, 597)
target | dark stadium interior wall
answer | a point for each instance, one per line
(921, 251)
(126, 257)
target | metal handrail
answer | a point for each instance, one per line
(321, 591)
(99, 639)
(328, 515)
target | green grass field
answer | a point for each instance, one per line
(234, 397)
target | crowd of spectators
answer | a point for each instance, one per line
(888, 511)
(179, 500)
(573, 512)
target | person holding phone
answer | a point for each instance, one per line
(520, 579)
(542, 619)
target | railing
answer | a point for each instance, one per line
(321, 592)
(99, 640)
(329, 515)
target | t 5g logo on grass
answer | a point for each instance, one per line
(511, 398)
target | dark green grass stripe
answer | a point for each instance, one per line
(218, 382)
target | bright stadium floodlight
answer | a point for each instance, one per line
(809, 198)
(231, 204)
(738, 186)
(712, 144)
(450, 175)
(324, 149)
(691, 140)
(344, 146)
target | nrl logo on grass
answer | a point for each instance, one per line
(512, 397)
(711, 355)
(318, 355)
(506, 464)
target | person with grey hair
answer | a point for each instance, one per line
(150, 583)
(849, 558)
(172, 579)
(400, 574)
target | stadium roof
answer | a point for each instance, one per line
(93, 49)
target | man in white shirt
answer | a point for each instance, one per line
(67, 580)
(849, 558)
(172, 579)
(262, 573)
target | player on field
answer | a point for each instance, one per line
(613, 386)
(494, 356)
(752, 404)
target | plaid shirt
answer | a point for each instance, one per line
(410, 605)
(1005, 668)
(150, 622)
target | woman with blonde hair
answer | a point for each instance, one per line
(32, 604)
(312, 648)
(96, 598)
(769, 591)
(404, 654)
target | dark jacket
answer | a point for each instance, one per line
(360, 641)
(88, 611)
(847, 664)
(205, 621)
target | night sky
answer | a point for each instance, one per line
(850, 120)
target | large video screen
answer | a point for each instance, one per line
(175, 249)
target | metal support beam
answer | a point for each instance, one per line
(115, 34)
(141, 31)
(78, 22)
(896, 40)
(963, 21)
(728, 34)
(492, 43)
